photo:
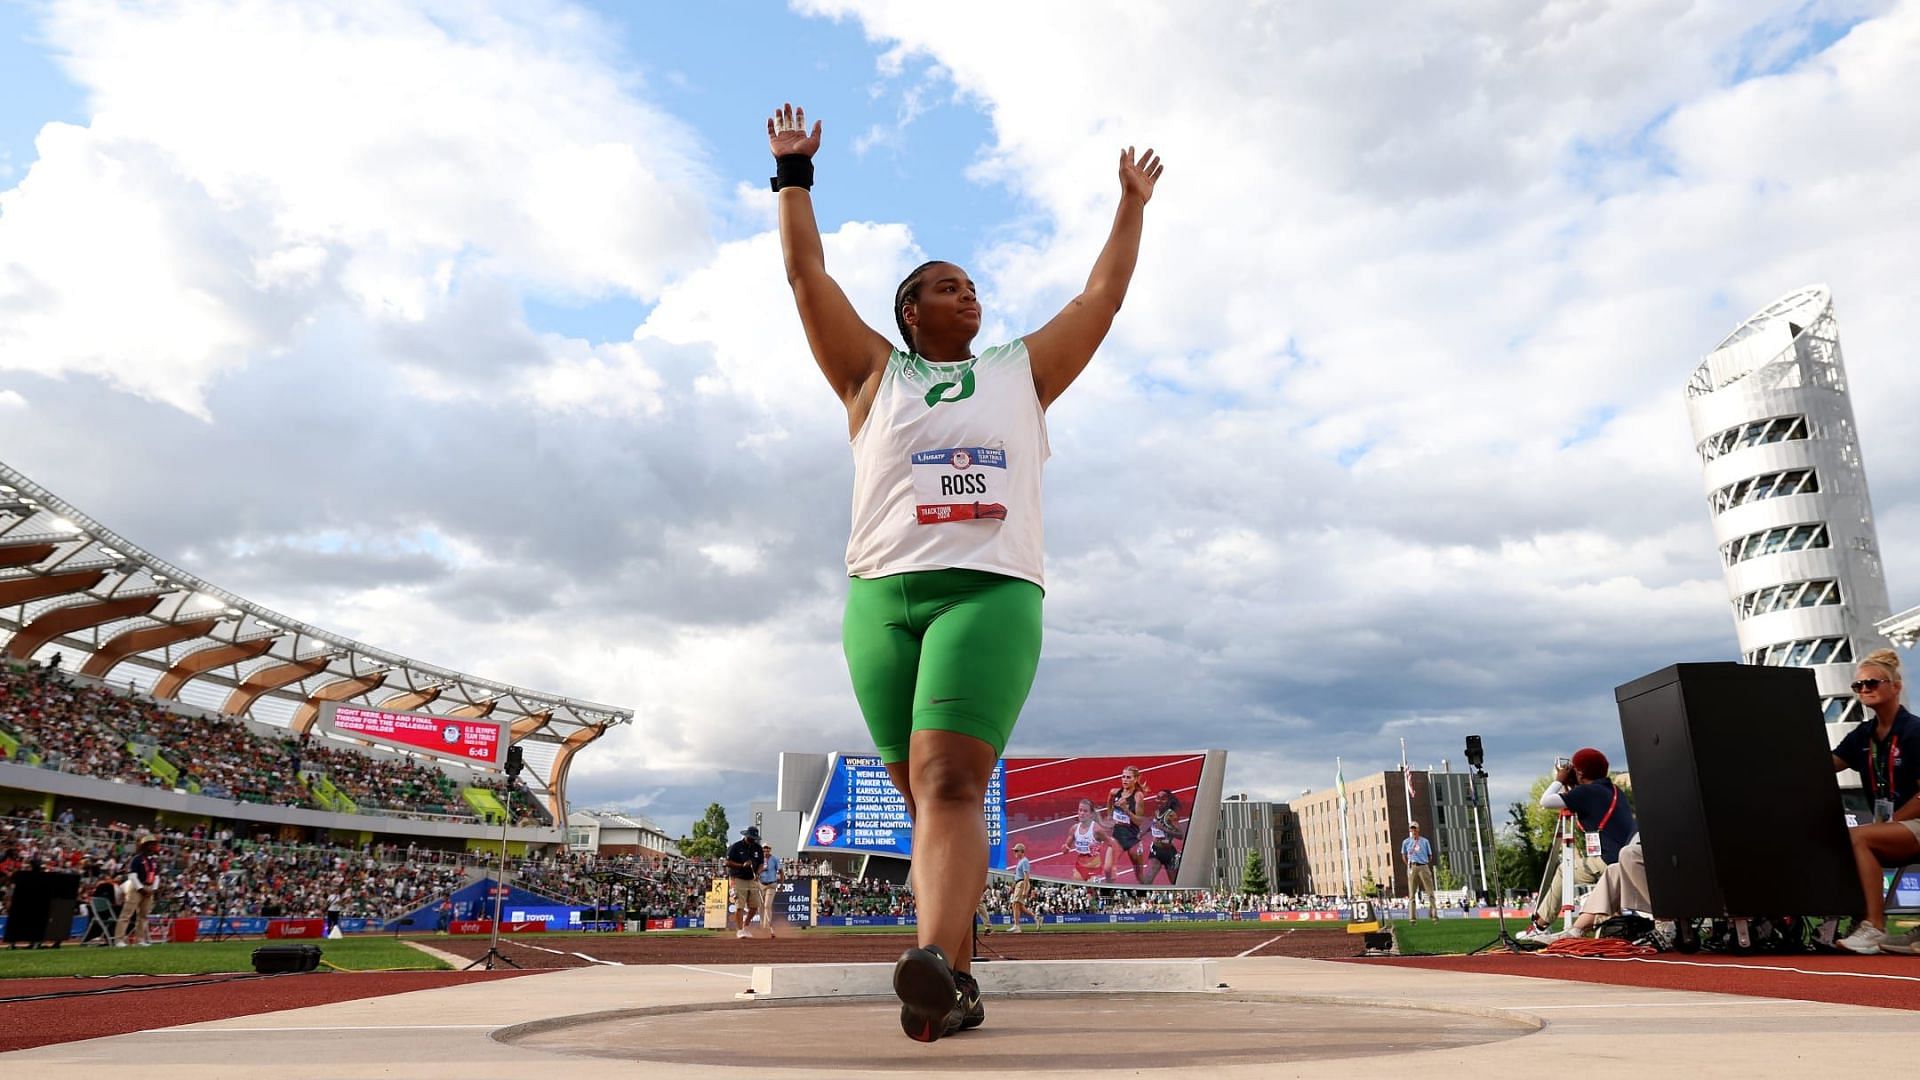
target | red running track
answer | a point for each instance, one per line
(1888, 982)
(25, 1024)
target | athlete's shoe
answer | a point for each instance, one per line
(973, 1012)
(1907, 944)
(931, 1004)
(1866, 939)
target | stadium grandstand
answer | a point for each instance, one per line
(129, 683)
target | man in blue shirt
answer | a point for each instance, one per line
(1417, 851)
(1022, 888)
(769, 887)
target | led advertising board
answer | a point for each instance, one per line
(478, 743)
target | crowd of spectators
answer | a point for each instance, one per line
(864, 896)
(219, 873)
(390, 784)
(69, 728)
(522, 807)
(90, 730)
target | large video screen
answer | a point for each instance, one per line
(479, 743)
(1118, 820)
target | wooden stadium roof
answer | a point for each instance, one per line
(70, 585)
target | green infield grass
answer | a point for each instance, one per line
(205, 957)
(1448, 937)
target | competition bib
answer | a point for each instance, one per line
(1158, 832)
(1120, 817)
(962, 483)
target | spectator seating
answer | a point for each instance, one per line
(53, 722)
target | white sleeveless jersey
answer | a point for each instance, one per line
(1083, 838)
(947, 469)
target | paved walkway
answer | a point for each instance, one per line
(1536, 1023)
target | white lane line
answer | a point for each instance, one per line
(1744, 1004)
(1756, 967)
(365, 1027)
(1042, 765)
(711, 971)
(559, 952)
(1260, 946)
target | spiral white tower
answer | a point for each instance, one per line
(1788, 495)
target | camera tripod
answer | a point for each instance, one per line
(493, 955)
(1476, 779)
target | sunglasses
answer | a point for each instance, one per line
(1867, 684)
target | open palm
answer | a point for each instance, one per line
(1137, 177)
(787, 132)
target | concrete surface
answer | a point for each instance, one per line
(774, 982)
(448, 1032)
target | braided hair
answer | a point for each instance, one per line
(908, 293)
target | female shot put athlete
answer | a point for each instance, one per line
(942, 629)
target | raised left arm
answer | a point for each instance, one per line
(1061, 350)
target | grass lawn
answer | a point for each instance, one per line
(204, 957)
(1448, 937)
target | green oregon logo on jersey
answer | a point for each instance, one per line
(938, 393)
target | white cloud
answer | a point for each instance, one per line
(247, 164)
(1415, 305)
(11, 399)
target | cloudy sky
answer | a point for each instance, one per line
(463, 332)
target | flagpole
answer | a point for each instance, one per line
(1346, 856)
(1406, 780)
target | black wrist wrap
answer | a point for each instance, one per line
(792, 170)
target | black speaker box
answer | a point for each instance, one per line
(1734, 790)
(42, 906)
(280, 959)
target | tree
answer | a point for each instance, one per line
(1444, 878)
(1540, 820)
(709, 839)
(1518, 859)
(1369, 886)
(1253, 880)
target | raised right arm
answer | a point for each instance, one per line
(849, 352)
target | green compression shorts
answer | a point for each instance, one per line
(941, 650)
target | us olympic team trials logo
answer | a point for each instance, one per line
(450, 734)
(824, 835)
(962, 459)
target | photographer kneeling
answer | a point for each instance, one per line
(1890, 775)
(1601, 813)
